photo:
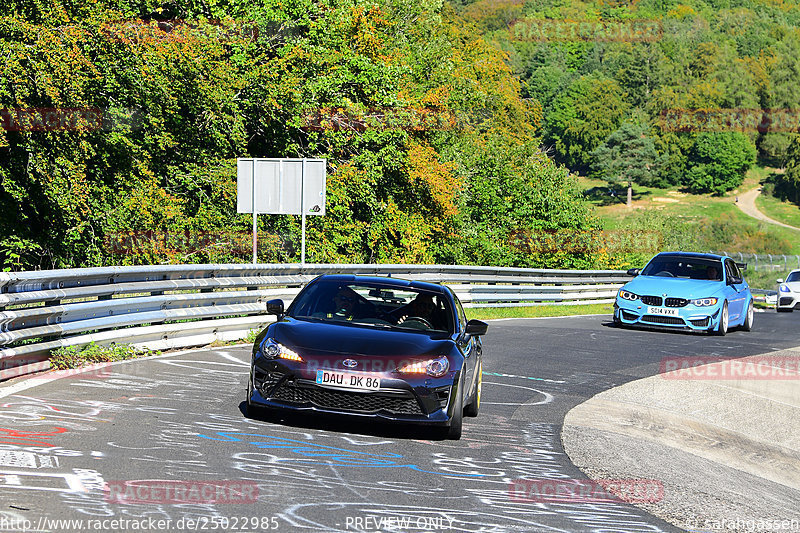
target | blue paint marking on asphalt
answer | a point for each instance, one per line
(522, 377)
(340, 456)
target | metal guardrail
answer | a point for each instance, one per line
(771, 262)
(172, 306)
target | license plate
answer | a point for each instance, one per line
(346, 380)
(662, 311)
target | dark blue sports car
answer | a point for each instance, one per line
(371, 347)
(699, 292)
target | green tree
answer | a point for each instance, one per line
(628, 156)
(718, 162)
(581, 118)
(788, 184)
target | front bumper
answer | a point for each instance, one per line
(422, 400)
(787, 300)
(689, 317)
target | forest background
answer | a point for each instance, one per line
(455, 133)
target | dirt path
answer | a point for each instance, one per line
(747, 203)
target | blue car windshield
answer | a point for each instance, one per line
(367, 304)
(684, 267)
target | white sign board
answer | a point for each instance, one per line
(282, 186)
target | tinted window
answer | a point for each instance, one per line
(733, 270)
(462, 317)
(793, 276)
(373, 304)
(684, 267)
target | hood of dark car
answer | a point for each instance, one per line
(310, 338)
(674, 287)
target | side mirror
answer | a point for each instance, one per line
(275, 307)
(633, 271)
(742, 266)
(779, 280)
(735, 281)
(476, 328)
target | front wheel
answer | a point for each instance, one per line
(453, 432)
(722, 327)
(748, 320)
(471, 409)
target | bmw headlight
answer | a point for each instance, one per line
(275, 350)
(705, 302)
(627, 295)
(433, 367)
(784, 288)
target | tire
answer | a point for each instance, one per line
(747, 325)
(471, 409)
(253, 411)
(453, 432)
(722, 327)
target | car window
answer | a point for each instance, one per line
(733, 270)
(793, 276)
(462, 316)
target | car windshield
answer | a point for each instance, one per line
(369, 304)
(793, 276)
(684, 267)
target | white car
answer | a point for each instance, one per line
(788, 292)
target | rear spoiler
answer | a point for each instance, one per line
(742, 266)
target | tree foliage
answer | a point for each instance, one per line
(433, 154)
(701, 56)
(629, 156)
(720, 161)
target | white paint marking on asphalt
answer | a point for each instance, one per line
(547, 397)
(231, 357)
(545, 317)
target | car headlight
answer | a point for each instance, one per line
(627, 295)
(275, 350)
(784, 288)
(705, 302)
(433, 367)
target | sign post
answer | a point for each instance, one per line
(281, 187)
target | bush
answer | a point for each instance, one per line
(77, 356)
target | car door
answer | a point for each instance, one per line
(468, 346)
(737, 289)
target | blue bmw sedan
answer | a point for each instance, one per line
(684, 290)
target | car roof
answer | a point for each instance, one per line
(693, 255)
(386, 282)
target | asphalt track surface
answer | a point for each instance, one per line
(180, 418)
